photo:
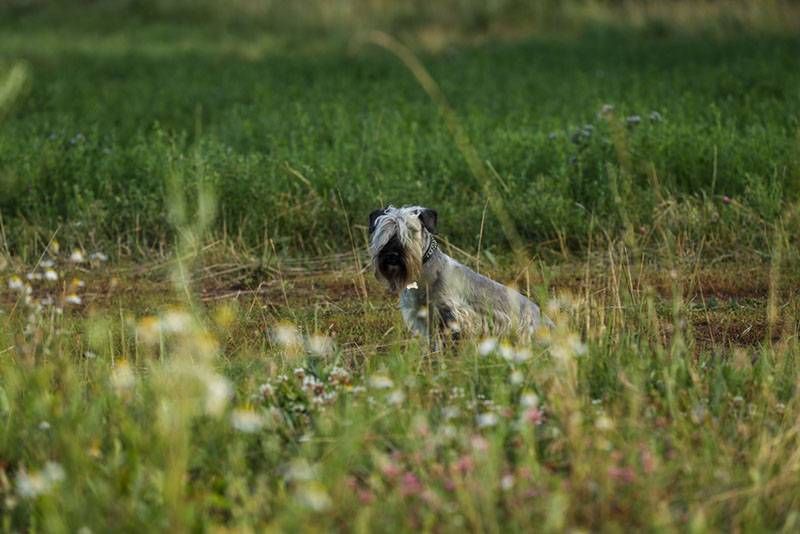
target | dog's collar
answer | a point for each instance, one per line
(432, 247)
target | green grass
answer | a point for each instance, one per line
(292, 140)
(233, 367)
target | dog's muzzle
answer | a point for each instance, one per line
(391, 263)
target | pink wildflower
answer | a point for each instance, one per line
(365, 496)
(464, 465)
(534, 416)
(410, 485)
(479, 443)
(622, 474)
(391, 470)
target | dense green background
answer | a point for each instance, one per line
(113, 111)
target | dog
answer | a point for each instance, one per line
(439, 295)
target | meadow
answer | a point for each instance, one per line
(190, 338)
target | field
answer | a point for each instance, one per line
(190, 338)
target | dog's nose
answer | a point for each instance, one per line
(392, 258)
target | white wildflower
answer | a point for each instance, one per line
(98, 256)
(51, 275)
(15, 283)
(396, 397)
(300, 471)
(633, 120)
(516, 378)
(522, 355)
(487, 346)
(77, 256)
(122, 377)
(314, 496)
(53, 473)
(31, 485)
(604, 423)
(72, 298)
(48, 263)
(320, 345)
(218, 392)
(486, 420)
(529, 400)
(605, 110)
(451, 412)
(247, 420)
(313, 386)
(339, 376)
(381, 382)
(457, 392)
(286, 335)
(175, 321)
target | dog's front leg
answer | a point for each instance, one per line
(414, 308)
(447, 325)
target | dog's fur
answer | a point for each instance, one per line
(441, 294)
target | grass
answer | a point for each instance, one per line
(233, 366)
(334, 132)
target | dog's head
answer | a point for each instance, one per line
(398, 240)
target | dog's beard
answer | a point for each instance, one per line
(396, 263)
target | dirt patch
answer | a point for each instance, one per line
(726, 305)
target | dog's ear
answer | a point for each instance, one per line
(428, 218)
(373, 217)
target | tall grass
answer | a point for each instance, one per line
(192, 416)
(239, 384)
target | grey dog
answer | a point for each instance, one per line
(437, 293)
